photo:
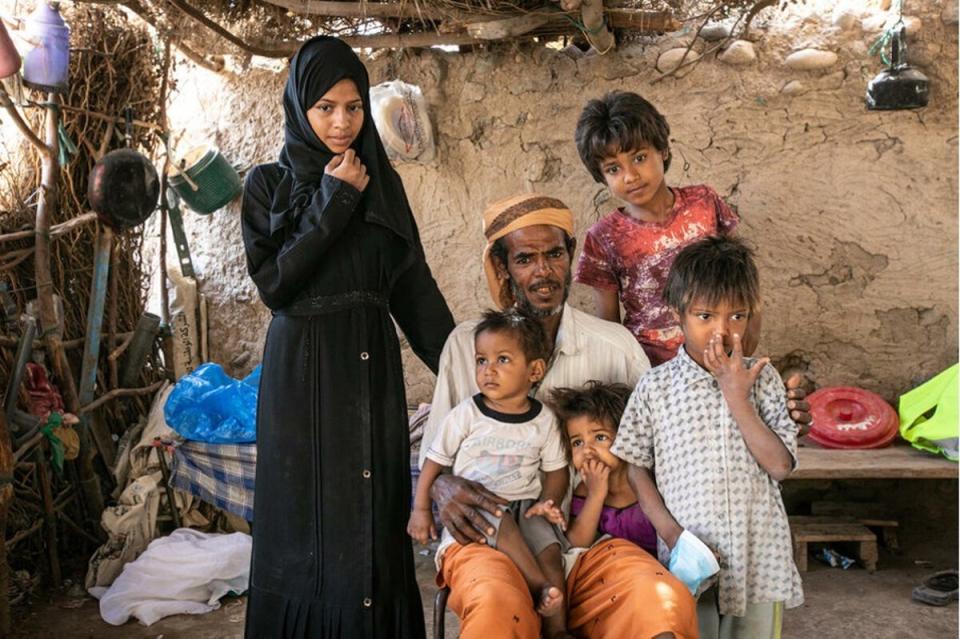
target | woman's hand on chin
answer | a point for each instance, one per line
(348, 168)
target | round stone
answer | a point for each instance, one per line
(715, 31)
(794, 87)
(740, 52)
(670, 60)
(811, 60)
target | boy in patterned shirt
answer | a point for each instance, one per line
(713, 427)
(625, 143)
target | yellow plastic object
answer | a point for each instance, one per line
(929, 416)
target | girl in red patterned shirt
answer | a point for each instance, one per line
(624, 142)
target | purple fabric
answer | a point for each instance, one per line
(627, 523)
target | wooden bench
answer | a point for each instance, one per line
(830, 529)
(873, 515)
(899, 461)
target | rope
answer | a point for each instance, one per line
(881, 44)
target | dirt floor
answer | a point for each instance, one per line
(849, 604)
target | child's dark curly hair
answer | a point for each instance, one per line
(620, 121)
(713, 269)
(599, 401)
(527, 330)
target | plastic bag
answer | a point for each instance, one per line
(400, 113)
(208, 405)
(692, 562)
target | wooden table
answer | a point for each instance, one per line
(893, 462)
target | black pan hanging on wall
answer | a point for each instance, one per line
(899, 86)
(123, 186)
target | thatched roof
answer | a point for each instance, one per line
(273, 28)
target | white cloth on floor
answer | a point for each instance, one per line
(186, 572)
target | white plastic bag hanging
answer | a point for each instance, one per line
(400, 113)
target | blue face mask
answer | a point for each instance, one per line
(692, 562)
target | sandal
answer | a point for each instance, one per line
(938, 589)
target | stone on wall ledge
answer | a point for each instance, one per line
(715, 31)
(950, 13)
(810, 60)
(670, 60)
(846, 18)
(739, 52)
(794, 87)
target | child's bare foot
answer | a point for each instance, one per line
(551, 601)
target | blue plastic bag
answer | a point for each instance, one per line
(208, 405)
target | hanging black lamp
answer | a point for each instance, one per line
(899, 86)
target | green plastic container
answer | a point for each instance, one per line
(215, 183)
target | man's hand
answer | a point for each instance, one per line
(549, 511)
(596, 476)
(459, 500)
(799, 409)
(348, 168)
(420, 526)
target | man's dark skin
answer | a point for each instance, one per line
(538, 267)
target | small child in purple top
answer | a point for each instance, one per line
(603, 502)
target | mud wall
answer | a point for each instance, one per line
(853, 212)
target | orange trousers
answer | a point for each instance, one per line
(615, 590)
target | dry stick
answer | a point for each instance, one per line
(28, 133)
(285, 49)
(269, 50)
(15, 257)
(57, 229)
(49, 515)
(119, 350)
(754, 10)
(93, 500)
(99, 116)
(23, 534)
(7, 464)
(120, 392)
(67, 344)
(365, 9)
(189, 53)
(164, 293)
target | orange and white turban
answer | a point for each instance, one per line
(506, 216)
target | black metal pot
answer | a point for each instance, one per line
(123, 188)
(900, 86)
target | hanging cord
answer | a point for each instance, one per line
(589, 32)
(883, 42)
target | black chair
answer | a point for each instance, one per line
(439, 612)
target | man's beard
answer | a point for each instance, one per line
(523, 304)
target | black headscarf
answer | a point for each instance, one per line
(319, 64)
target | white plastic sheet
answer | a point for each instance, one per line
(186, 572)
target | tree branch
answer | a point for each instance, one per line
(32, 137)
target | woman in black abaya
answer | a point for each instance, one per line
(333, 248)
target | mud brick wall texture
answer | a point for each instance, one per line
(853, 213)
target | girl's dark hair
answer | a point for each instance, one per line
(527, 330)
(599, 401)
(712, 270)
(619, 121)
